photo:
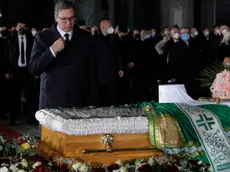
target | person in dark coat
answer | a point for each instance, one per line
(61, 56)
(107, 67)
(18, 75)
(4, 83)
(224, 49)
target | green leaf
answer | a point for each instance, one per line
(208, 75)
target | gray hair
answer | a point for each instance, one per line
(63, 4)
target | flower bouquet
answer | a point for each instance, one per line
(226, 63)
(158, 164)
(221, 85)
(25, 159)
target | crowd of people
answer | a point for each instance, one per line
(71, 65)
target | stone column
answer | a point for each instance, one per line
(130, 14)
(89, 10)
(178, 12)
(208, 13)
(111, 4)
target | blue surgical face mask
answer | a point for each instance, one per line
(148, 36)
(185, 37)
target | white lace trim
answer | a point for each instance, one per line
(118, 125)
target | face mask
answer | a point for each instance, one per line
(176, 35)
(110, 30)
(5, 33)
(153, 34)
(166, 32)
(224, 31)
(148, 36)
(195, 33)
(34, 32)
(206, 33)
(137, 36)
(124, 38)
(22, 31)
(217, 31)
(185, 37)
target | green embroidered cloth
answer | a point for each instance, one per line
(171, 129)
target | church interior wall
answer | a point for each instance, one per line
(134, 13)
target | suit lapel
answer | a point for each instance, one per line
(16, 51)
(76, 31)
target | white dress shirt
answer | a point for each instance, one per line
(62, 33)
(20, 45)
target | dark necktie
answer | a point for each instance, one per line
(66, 38)
(22, 51)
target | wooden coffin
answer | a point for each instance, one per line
(100, 139)
(91, 148)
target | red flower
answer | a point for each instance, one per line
(98, 170)
(172, 168)
(63, 169)
(36, 159)
(40, 168)
(21, 141)
(144, 168)
(113, 167)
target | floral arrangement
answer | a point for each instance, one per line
(20, 156)
(226, 63)
(22, 146)
(221, 85)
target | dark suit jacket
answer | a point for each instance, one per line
(64, 78)
(13, 53)
(107, 59)
(3, 57)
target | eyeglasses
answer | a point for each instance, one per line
(65, 20)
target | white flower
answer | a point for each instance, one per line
(115, 171)
(151, 161)
(138, 162)
(210, 169)
(1, 147)
(123, 169)
(24, 163)
(21, 171)
(4, 169)
(13, 168)
(119, 162)
(83, 168)
(36, 164)
(199, 162)
(76, 165)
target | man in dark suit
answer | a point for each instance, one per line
(16, 71)
(4, 90)
(61, 57)
(107, 67)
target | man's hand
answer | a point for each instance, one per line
(121, 73)
(130, 65)
(58, 45)
(7, 76)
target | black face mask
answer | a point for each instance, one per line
(124, 38)
(22, 31)
(137, 36)
(5, 33)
